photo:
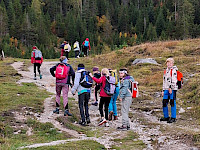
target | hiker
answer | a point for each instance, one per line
(113, 105)
(97, 75)
(169, 91)
(36, 59)
(65, 49)
(125, 97)
(86, 46)
(76, 49)
(105, 98)
(62, 71)
(83, 94)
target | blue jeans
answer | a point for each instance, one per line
(172, 99)
(113, 105)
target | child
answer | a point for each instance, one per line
(83, 96)
(63, 85)
(36, 59)
(97, 75)
(105, 99)
(169, 91)
(125, 98)
(65, 49)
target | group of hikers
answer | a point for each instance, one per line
(111, 85)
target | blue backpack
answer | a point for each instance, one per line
(86, 43)
(86, 80)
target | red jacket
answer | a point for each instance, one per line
(33, 59)
(101, 80)
(89, 45)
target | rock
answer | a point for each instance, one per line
(181, 110)
(188, 108)
(148, 60)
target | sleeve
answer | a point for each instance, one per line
(89, 46)
(83, 43)
(72, 73)
(124, 89)
(41, 60)
(69, 49)
(32, 57)
(52, 70)
(100, 80)
(76, 83)
(164, 80)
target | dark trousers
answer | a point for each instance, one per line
(104, 101)
(85, 50)
(97, 87)
(67, 54)
(38, 67)
(83, 100)
(76, 54)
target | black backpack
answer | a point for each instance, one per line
(86, 80)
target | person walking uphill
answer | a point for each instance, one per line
(65, 49)
(83, 93)
(125, 98)
(86, 46)
(76, 49)
(36, 59)
(105, 99)
(170, 87)
(97, 75)
(63, 71)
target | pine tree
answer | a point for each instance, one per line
(151, 33)
(160, 23)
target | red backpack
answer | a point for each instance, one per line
(61, 71)
(134, 89)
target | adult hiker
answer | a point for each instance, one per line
(83, 93)
(125, 97)
(36, 60)
(76, 49)
(96, 74)
(170, 87)
(86, 47)
(105, 98)
(112, 104)
(65, 49)
(62, 71)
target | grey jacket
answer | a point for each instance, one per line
(77, 86)
(124, 86)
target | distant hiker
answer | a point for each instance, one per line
(105, 98)
(86, 46)
(36, 59)
(125, 97)
(170, 87)
(83, 85)
(62, 71)
(65, 49)
(97, 86)
(76, 49)
(113, 105)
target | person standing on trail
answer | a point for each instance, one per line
(62, 71)
(125, 97)
(36, 59)
(65, 49)
(86, 47)
(170, 87)
(76, 49)
(97, 86)
(83, 93)
(105, 99)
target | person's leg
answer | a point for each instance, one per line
(173, 106)
(39, 65)
(126, 103)
(87, 97)
(111, 108)
(65, 99)
(114, 102)
(107, 101)
(165, 106)
(58, 92)
(81, 102)
(67, 55)
(34, 69)
(101, 106)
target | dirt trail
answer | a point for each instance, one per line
(148, 134)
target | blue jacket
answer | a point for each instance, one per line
(124, 86)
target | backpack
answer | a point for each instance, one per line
(66, 46)
(75, 45)
(61, 71)
(86, 80)
(109, 88)
(113, 73)
(179, 79)
(38, 55)
(86, 43)
(134, 89)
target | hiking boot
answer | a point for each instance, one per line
(40, 76)
(107, 124)
(95, 103)
(83, 123)
(164, 119)
(171, 120)
(115, 118)
(110, 115)
(128, 128)
(56, 111)
(67, 113)
(88, 120)
(34, 78)
(123, 128)
(102, 122)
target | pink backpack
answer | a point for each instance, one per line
(61, 71)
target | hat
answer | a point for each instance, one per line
(170, 60)
(87, 39)
(34, 47)
(123, 71)
(95, 69)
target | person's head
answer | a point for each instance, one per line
(63, 59)
(65, 42)
(34, 47)
(87, 39)
(170, 62)
(81, 66)
(105, 72)
(123, 72)
(95, 69)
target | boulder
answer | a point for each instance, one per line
(147, 60)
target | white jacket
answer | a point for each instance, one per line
(170, 79)
(76, 46)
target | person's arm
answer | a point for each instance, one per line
(100, 80)
(89, 46)
(41, 60)
(124, 89)
(72, 73)
(76, 82)
(52, 69)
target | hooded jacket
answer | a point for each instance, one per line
(170, 79)
(124, 86)
(88, 43)
(33, 60)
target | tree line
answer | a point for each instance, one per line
(109, 24)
